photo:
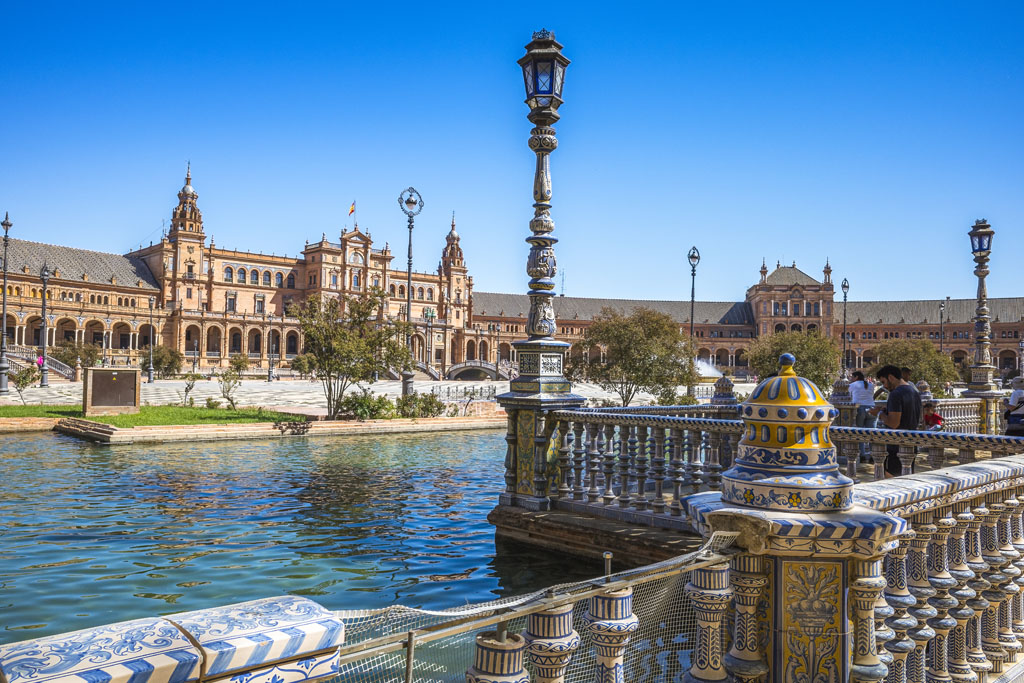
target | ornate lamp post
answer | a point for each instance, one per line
(152, 339)
(4, 365)
(694, 258)
(846, 359)
(44, 380)
(942, 324)
(270, 349)
(411, 203)
(540, 386)
(430, 314)
(982, 384)
(195, 355)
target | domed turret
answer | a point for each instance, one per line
(786, 460)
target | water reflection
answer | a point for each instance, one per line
(95, 534)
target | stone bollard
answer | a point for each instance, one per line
(498, 660)
(612, 622)
(77, 377)
(551, 642)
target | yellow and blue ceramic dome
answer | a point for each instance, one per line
(786, 460)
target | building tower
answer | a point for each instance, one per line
(186, 239)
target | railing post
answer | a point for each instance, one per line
(1017, 541)
(678, 472)
(958, 666)
(851, 450)
(593, 461)
(709, 589)
(551, 642)
(746, 659)
(940, 579)
(976, 657)
(713, 469)
(878, 455)
(994, 560)
(627, 452)
(510, 456)
(907, 456)
(498, 659)
(921, 589)
(638, 449)
(564, 464)
(611, 622)
(693, 478)
(658, 470)
(606, 441)
(1010, 589)
(900, 599)
(579, 453)
(865, 586)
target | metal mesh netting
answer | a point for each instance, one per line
(658, 651)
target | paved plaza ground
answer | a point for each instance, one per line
(286, 393)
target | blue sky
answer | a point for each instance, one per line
(869, 133)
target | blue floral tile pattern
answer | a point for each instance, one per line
(140, 651)
(243, 636)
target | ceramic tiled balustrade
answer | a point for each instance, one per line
(275, 640)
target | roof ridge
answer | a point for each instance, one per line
(64, 246)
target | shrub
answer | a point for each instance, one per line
(420, 405)
(23, 379)
(212, 403)
(229, 381)
(68, 352)
(302, 364)
(239, 363)
(166, 361)
(190, 383)
(366, 406)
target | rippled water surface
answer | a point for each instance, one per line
(91, 535)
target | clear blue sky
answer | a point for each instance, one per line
(871, 133)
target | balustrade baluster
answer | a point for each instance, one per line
(639, 449)
(1017, 541)
(564, 463)
(976, 657)
(990, 641)
(746, 659)
(900, 599)
(612, 622)
(677, 471)
(866, 584)
(850, 451)
(551, 642)
(593, 461)
(658, 469)
(936, 455)
(966, 455)
(605, 443)
(883, 633)
(627, 452)
(941, 580)
(693, 439)
(579, 452)
(1010, 589)
(510, 454)
(907, 456)
(541, 485)
(734, 448)
(922, 590)
(959, 667)
(878, 455)
(713, 468)
(710, 592)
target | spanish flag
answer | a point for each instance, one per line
(352, 209)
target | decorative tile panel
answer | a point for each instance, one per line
(525, 430)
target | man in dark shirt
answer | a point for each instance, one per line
(902, 411)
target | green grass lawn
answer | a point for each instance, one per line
(156, 415)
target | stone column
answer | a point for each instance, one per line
(709, 589)
(551, 642)
(612, 622)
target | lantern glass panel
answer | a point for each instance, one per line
(986, 242)
(545, 77)
(975, 246)
(528, 77)
(559, 79)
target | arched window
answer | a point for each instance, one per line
(78, 296)
(133, 303)
(266, 278)
(241, 275)
(392, 290)
(419, 293)
(356, 257)
(355, 280)
(92, 298)
(401, 290)
(229, 274)
(278, 280)
(430, 293)
(376, 283)
(291, 280)
(120, 301)
(254, 277)
(106, 301)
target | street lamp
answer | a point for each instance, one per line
(430, 314)
(195, 355)
(982, 384)
(270, 350)
(152, 337)
(411, 203)
(4, 365)
(44, 275)
(694, 258)
(942, 323)
(846, 359)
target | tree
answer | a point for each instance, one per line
(644, 351)
(920, 355)
(166, 361)
(229, 381)
(69, 352)
(349, 341)
(817, 357)
(23, 379)
(239, 363)
(302, 364)
(190, 383)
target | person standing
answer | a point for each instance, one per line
(862, 395)
(902, 411)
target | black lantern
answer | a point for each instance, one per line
(693, 257)
(981, 237)
(544, 74)
(846, 286)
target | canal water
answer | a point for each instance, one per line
(92, 534)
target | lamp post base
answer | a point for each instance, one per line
(4, 369)
(407, 377)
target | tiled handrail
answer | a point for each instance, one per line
(275, 640)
